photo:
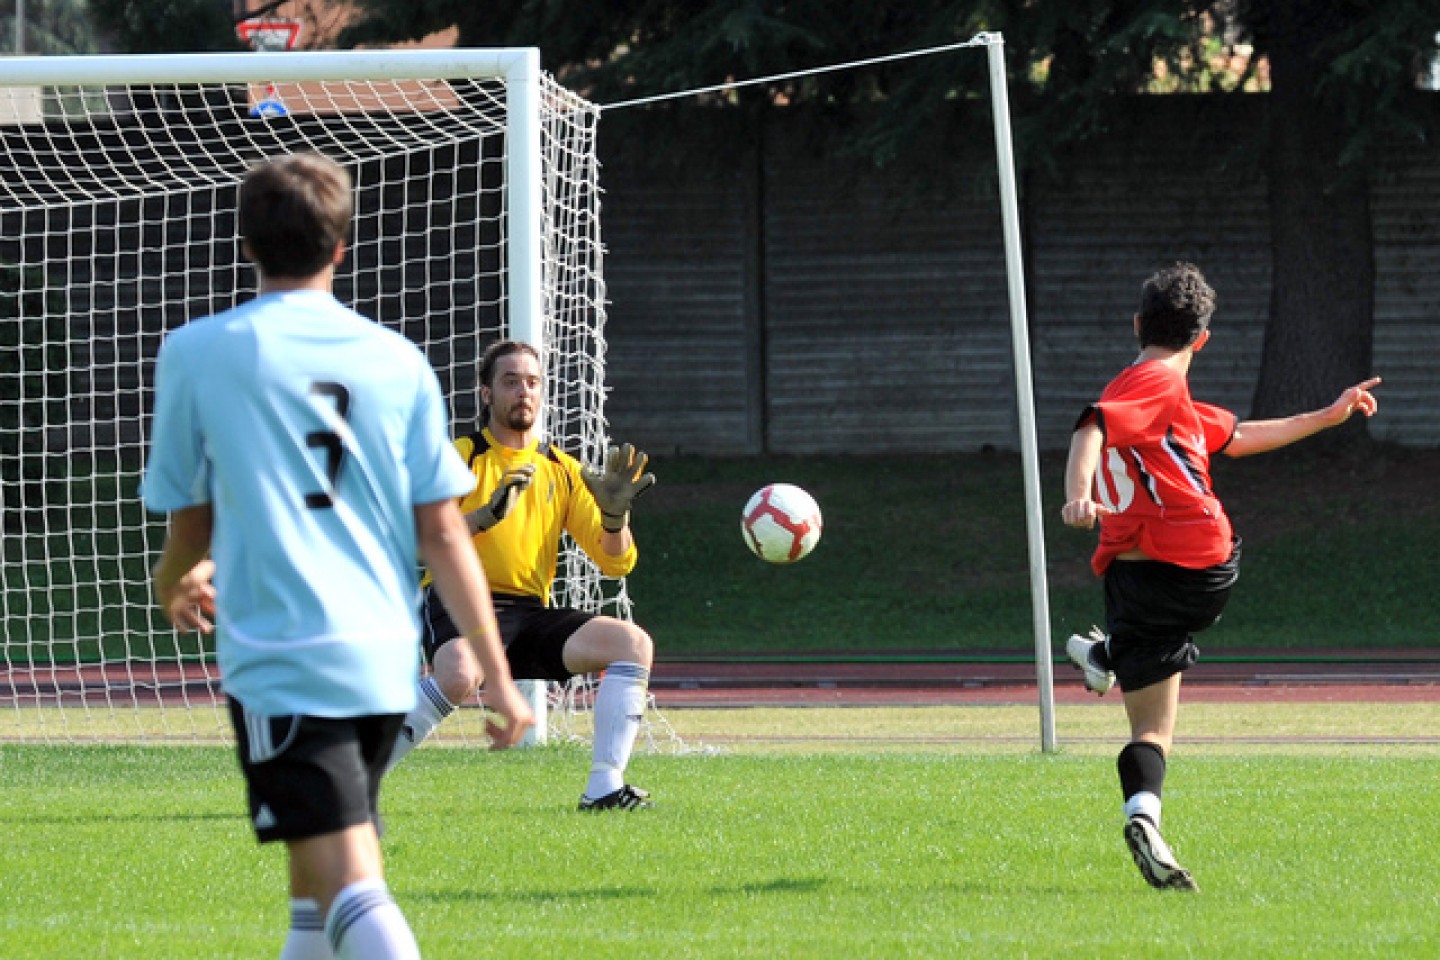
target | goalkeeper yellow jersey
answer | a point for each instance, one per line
(520, 553)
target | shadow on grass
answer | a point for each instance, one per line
(533, 896)
(780, 885)
(51, 819)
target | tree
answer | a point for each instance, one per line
(166, 26)
(52, 28)
(1342, 77)
(624, 48)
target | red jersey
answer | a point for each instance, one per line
(1154, 470)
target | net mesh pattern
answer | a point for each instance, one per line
(117, 224)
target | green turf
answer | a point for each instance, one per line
(140, 853)
(930, 554)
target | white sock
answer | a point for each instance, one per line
(306, 940)
(431, 709)
(619, 708)
(1144, 804)
(365, 924)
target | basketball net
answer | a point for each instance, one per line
(269, 36)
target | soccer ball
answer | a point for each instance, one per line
(781, 523)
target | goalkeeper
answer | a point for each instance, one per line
(527, 493)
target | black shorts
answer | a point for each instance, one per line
(534, 635)
(308, 776)
(1152, 611)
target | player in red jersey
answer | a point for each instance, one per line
(1139, 465)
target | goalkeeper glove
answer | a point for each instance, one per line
(617, 486)
(502, 501)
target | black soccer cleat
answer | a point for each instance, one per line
(626, 798)
(1152, 855)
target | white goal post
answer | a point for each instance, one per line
(994, 44)
(1024, 389)
(477, 217)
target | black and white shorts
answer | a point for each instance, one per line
(1153, 610)
(309, 776)
(534, 635)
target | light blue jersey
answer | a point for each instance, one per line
(313, 432)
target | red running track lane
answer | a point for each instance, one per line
(1375, 677)
(1395, 677)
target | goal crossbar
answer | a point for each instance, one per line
(519, 67)
(184, 68)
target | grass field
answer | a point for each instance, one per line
(891, 846)
(931, 832)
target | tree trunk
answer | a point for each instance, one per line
(1319, 336)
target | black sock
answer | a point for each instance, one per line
(1142, 768)
(1100, 654)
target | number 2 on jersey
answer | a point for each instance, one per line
(328, 442)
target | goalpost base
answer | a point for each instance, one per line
(537, 694)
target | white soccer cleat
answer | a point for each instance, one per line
(1098, 680)
(1152, 855)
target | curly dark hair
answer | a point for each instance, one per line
(1175, 307)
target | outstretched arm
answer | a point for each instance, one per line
(446, 549)
(1259, 436)
(1080, 509)
(615, 488)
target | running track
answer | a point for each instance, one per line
(1398, 676)
(1394, 677)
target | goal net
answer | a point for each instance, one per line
(477, 217)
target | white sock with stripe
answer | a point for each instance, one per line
(431, 709)
(1144, 804)
(306, 940)
(619, 708)
(365, 924)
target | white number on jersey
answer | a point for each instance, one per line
(1115, 477)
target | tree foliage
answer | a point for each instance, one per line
(52, 28)
(165, 26)
(621, 49)
(1067, 58)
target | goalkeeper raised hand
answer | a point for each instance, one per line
(617, 486)
(502, 501)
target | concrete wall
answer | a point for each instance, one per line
(787, 298)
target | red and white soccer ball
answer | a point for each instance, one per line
(781, 523)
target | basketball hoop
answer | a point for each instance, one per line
(269, 35)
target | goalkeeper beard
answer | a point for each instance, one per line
(515, 417)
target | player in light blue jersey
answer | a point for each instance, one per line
(302, 454)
